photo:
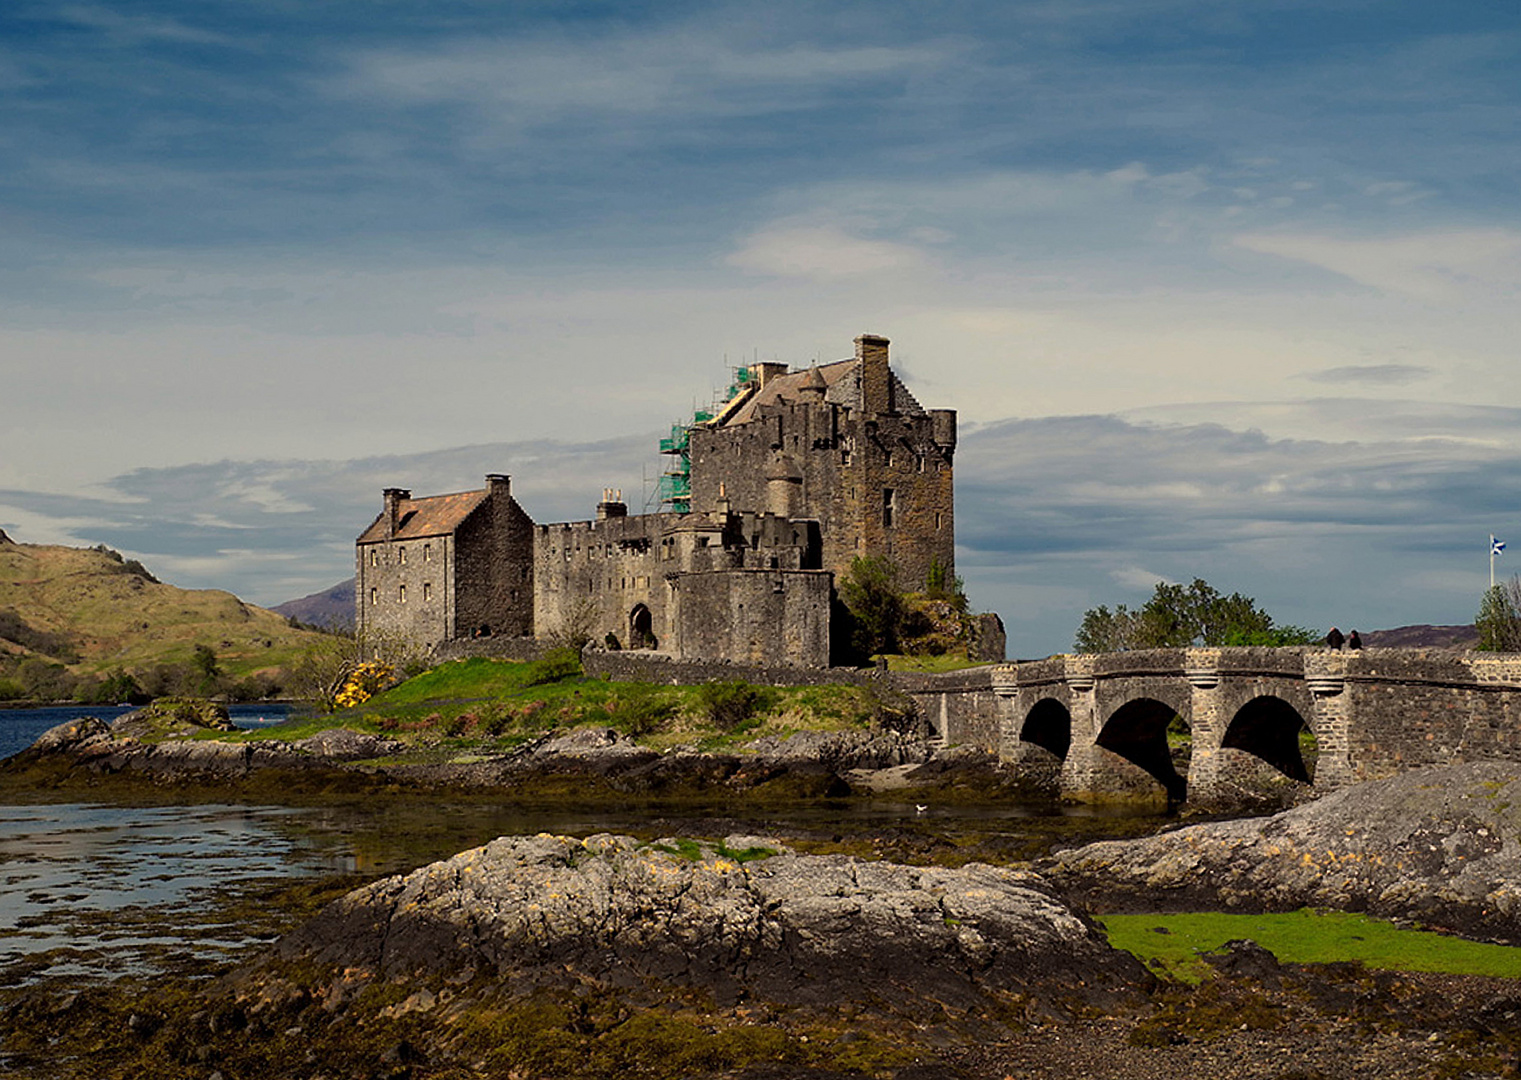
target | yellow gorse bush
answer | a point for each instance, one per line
(364, 682)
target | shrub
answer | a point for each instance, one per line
(729, 704)
(557, 664)
(642, 714)
(364, 682)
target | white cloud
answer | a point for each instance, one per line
(820, 251)
(1133, 577)
(684, 70)
(1434, 266)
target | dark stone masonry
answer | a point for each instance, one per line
(771, 496)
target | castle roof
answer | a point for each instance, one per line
(841, 382)
(434, 515)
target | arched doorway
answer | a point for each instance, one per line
(1273, 730)
(1145, 733)
(1049, 726)
(641, 628)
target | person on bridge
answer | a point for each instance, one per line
(1355, 641)
(1334, 639)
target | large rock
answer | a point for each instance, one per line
(70, 734)
(804, 930)
(1441, 846)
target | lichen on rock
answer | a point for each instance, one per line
(551, 911)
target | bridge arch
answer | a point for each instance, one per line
(1268, 727)
(1137, 732)
(1049, 726)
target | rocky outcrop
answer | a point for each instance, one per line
(172, 718)
(806, 763)
(1440, 846)
(747, 919)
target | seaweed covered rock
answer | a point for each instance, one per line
(1440, 846)
(733, 920)
(172, 718)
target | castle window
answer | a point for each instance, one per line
(889, 505)
(889, 459)
(374, 557)
(921, 462)
(427, 553)
(401, 556)
(427, 591)
(937, 520)
(844, 457)
(401, 594)
(374, 594)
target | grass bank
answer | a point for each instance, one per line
(487, 704)
(1172, 944)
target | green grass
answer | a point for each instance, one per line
(1171, 944)
(931, 664)
(487, 704)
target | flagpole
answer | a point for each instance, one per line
(1491, 560)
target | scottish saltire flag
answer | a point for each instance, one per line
(1496, 546)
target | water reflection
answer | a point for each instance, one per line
(96, 890)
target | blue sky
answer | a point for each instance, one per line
(1226, 289)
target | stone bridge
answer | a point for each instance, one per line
(1262, 724)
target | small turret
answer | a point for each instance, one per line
(813, 387)
(784, 486)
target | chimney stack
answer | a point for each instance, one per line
(393, 498)
(876, 380)
(612, 505)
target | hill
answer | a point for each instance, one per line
(332, 608)
(1423, 636)
(93, 611)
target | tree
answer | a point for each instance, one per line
(1499, 618)
(208, 672)
(1178, 616)
(870, 593)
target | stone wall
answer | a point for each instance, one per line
(753, 616)
(493, 568)
(1408, 708)
(600, 574)
(404, 589)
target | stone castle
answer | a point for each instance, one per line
(768, 499)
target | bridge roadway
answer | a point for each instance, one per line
(1266, 724)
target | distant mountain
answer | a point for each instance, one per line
(1422, 636)
(95, 611)
(332, 608)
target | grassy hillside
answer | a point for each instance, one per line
(95, 612)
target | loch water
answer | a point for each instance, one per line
(19, 728)
(94, 890)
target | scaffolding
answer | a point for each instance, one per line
(675, 487)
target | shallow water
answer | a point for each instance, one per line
(96, 890)
(19, 728)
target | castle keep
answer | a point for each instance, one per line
(769, 497)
